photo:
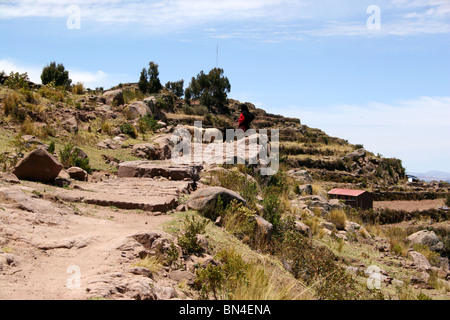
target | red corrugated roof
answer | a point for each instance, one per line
(346, 192)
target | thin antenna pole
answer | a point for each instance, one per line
(217, 55)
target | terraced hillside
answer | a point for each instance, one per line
(138, 226)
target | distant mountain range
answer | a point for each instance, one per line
(432, 176)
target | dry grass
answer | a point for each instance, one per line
(314, 224)
(398, 241)
(78, 88)
(258, 285)
(338, 217)
(319, 190)
(28, 127)
(152, 263)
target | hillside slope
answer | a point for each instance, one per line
(120, 214)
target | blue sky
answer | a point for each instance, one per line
(375, 73)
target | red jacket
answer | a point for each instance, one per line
(244, 120)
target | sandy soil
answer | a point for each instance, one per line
(88, 241)
(409, 206)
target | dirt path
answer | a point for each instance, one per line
(41, 251)
(409, 206)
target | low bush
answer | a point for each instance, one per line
(71, 156)
(129, 130)
(316, 266)
(236, 279)
(188, 241)
(148, 123)
(239, 220)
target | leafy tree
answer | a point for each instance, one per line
(187, 96)
(154, 85)
(211, 88)
(176, 87)
(17, 80)
(143, 81)
(57, 74)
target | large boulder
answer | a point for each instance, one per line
(207, 198)
(355, 155)
(428, 238)
(145, 150)
(152, 103)
(113, 97)
(419, 260)
(137, 109)
(38, 165)
(70, 124)
(165, 145)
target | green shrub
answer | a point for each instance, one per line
(239, 183)
(51, 147)
(188, 241)
(272, 210)
(70, 156)
(129, 130)
(210, 279)
(315, 265)
(17, 80)
(211, 88)
(447, 200)
(148, 122)
(239, 220)
(423, 296)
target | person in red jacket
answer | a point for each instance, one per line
(245, 118)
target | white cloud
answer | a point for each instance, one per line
(266, 20)
(415, 130)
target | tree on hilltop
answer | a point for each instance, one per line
(154, 85)
(56, 74)
(143, 81)
(211, 88)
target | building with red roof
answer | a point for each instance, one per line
(355, 198)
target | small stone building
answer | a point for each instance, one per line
(354, 198)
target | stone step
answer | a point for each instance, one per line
(129, 193)
(149, 169)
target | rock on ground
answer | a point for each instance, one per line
(428, 238)
(38, 165)
(207, 197)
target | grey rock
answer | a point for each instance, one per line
(428, 238)
(420, 260)
(207, 197)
